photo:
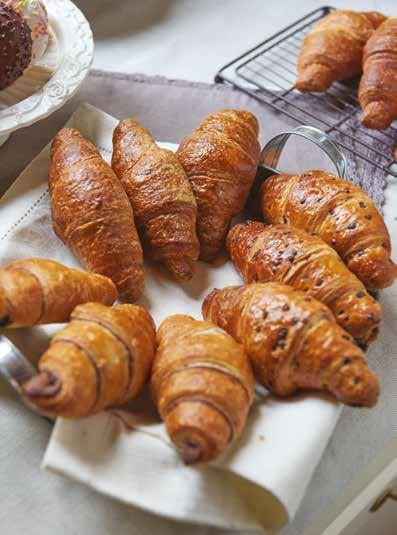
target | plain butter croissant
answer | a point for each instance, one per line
(203, 386)
(164, 206)
(220, 159)
(293, 341)
(378, 85)
(36, 291)
(333, 49)
(289, 255)
(341, 214)
(100, 359)
(91, 213)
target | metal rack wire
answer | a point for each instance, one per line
(267, 72)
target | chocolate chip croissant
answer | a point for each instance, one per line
(102, 358)
(281, 253)
(293, 342)
(338, 212)
(203, 386)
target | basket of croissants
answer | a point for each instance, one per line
(300, 321)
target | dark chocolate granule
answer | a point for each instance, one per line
(360, 294)
(352, 226)
(286, 307)
(362, 204)
(368, 216)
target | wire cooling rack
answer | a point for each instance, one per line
(268, 72)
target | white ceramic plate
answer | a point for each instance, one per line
(45, 87)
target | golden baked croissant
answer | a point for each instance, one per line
(91, 213)
(102, 358)
(203, 386)
(220, 159)
(333, 49)
(293, 341)
(289, 255)
(36, 291)
(378, 85)
(162, 199)
(341, 214)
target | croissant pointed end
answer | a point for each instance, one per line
(205, 308)
(191, 452)
(44, 384)
(376, 115)
(315, 78)
(182, 269)
(357, 388)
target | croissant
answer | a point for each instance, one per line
(100, 359)
(293, 342)
(162, 199)
(36, 291)
(378, 86)
(91, 213)
(203, 386)
(333, 49)
(220, 159)
(289, 255)
(341, 214)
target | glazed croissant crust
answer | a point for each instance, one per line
(203, 386)
(338, 212)
(36, 291)
(220, 159)
(161, 196)
(293, 341)
(333, 49)
(378, 85)
(100, 359)
(281, 253)
(91, 213)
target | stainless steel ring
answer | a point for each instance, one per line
(272, 151)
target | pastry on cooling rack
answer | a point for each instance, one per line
(333, 49)
(378, 85)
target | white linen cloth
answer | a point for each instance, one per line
(259, 479)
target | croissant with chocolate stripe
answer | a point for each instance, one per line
(37, 291)
(341, 214)
(102, 358)
(281, 253)
(293, 341)
(203, 386)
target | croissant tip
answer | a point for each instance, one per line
(191, 452)
(44, 384)
(376, 115)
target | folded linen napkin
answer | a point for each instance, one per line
(261, 479)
